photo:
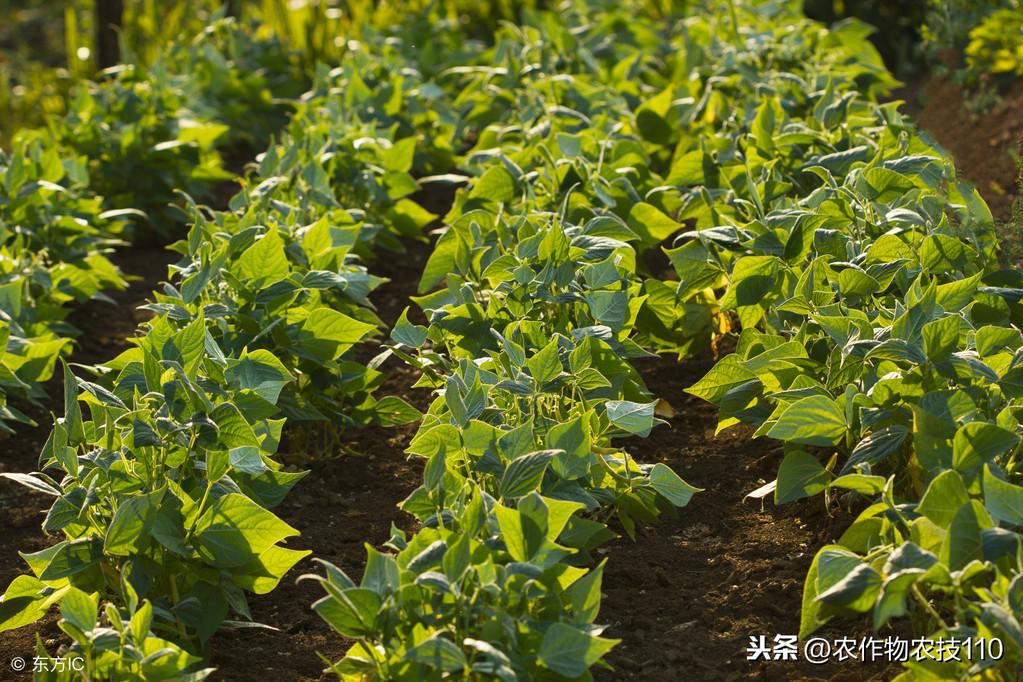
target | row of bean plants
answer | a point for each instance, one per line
(77, 190)
(879, 338)
(527, 345)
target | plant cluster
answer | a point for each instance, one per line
(122, 155)
(528, 348)
(164, 483)
(878, 343)
(876, 340)
(55, 239)
(996, 44)
(979, 40)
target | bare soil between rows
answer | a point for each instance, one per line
(684, 598)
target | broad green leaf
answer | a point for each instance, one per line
(24, 602)
(815, 420)
(728, 373)
(264, 262)
(800, 475)
(128, 532)
(570, 652)
(234, 529)
(944, 497)
(857, 590)
(651, 223)
(977, 443)
(405, 332)
(258, 371)
(439, 653)
(545, 366)
(1003, 499)
(671, 486)
(326, 333)
(964, 542)
(525, 473)
(573, 440)
(351, 612)
(80, 609)
(496, 185)
(634, 418)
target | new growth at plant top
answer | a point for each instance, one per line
(875, 338)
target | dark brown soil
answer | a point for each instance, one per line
(342, 504)
(985, 146)
(345, 502)
(686, 597)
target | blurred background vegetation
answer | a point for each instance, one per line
(46, 46)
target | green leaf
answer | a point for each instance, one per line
(545, 366)
(496, 185)
(326, 333)
(80, 609)
(584, 594)
(1004, 500)
(398, 157)
(247, 459)
(72, 411)
(941, 337)
(218, 463)
(71, 558)
(634, 418)
(857, 591)
(394, 411)
(520, 534)
(800, 475)
(188, 346)
(753, 279)
(861, 483)
(977, 443)
(259, 371)
(409, 334)
(610, 308)
(129, 530)
(352, 612)
(671, 486)
(525, 473)
(891, 602)
(24, 602)
(940, 254)
(571, 652)
(573, 440)
(264, 262)
(876, 447)
(964, 542)
(815, 420)
(235, 529)
(651, 224)
(728, 373)
(811, 619)
(944, 497)
(382, 574)
(440, 653)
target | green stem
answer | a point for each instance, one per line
(929, 607)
